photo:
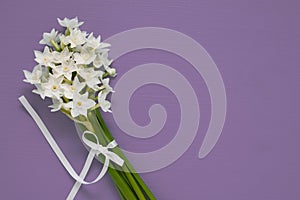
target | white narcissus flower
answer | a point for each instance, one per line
(106, 61)
(111, 71)
(40, 90)
(76, 86)
(103, 45)
(106, 86)
(69, 23)
(93, 42)
(80, 104)
(66, 69)
(57, 104)
(63, 56)
(98, 61)
(35, 76)
(104, 104)
(91, 77)
(76, 38)
(47, 37)
(44, 58)
(85, 57)
(53, 87)
(102, 60)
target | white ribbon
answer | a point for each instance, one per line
(96, 150)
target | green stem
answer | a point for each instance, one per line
(120, 193)
(68, 81)
(128, 165)
(55, 45)
(117, 177)
(128, 183)
(67, 32)
(123, 187)
(62, 45)
(95, 106)
(135, 186)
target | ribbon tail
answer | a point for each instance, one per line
(82, 175)
(115, 158)
(60, 155)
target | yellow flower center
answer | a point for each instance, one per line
(79, 103)
(66, 68)
(85, 56)
(54, 87)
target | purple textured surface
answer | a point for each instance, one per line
(255, 45)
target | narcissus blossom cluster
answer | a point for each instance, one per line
(73, 70)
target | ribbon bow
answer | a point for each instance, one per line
(99, 149)
(96, 150)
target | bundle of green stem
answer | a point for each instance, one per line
(127, 181)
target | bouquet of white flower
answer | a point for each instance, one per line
(73, 70)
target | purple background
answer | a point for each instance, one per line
(255, 44)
